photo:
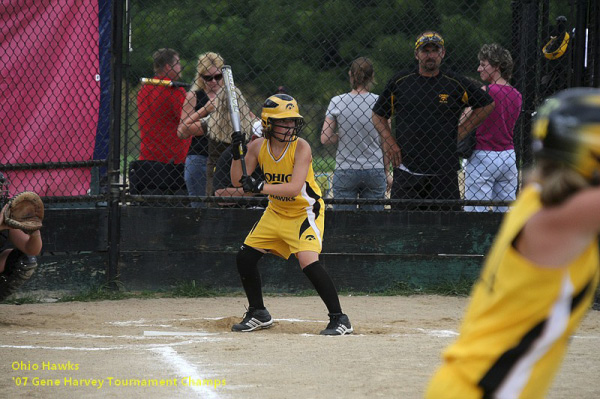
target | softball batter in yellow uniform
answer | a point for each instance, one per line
(540, 277)
(289, 224)
(294, 219)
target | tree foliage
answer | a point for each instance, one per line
(308, 45)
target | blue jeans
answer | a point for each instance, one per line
(195, 177)
(359, 183)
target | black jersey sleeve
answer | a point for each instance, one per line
(475, 97)
(384, 105)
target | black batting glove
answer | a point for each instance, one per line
(252, 185)
(238, 141)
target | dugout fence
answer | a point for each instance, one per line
(72, 121)
(72, 84)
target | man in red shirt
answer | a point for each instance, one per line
(162, 154)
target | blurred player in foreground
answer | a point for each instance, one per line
(294, 219)
(541, 274)
(17, 261)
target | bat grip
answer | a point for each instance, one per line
(243, 160)
(240, 150)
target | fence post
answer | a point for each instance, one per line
(580, 44)
(526, 23)
(594, 45)
(115, 190)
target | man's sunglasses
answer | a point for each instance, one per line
(429, 38)
(209, 78)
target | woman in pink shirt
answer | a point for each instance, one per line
(491, 172)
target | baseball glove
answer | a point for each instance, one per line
(25, 212)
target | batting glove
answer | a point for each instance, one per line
(252, 185)
(238, 144)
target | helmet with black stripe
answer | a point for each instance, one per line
(567, 130)
(276, 109)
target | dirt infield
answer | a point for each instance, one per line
(183, 348)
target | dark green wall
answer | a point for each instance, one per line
(161, 247)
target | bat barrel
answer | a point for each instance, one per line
(234, 108)
(163, 82)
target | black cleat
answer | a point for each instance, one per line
(254, 319)
(339, 324)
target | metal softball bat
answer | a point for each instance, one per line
(234, 109)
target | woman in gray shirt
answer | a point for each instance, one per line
(359, 171)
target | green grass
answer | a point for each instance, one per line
(105, 292)
(450, 288)
(323, 164)
(191, 289)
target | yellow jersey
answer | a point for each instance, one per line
(279, 170)
(517, 325)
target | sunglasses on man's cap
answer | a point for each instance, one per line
(429, 38)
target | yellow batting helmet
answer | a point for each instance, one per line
(279, 107)
(567, 127)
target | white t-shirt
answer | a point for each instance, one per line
(359, 143)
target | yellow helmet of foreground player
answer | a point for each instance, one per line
(567, 127)
(279, 107)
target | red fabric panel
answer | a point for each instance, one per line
(49, 91)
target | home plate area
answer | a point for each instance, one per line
(184, 348)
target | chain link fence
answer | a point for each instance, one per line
(54, 77)
(341, 60)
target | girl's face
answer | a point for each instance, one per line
(284, 130)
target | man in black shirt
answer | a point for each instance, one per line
(427, 104)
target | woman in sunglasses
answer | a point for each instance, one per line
(199, 103)
(220, 127)
(206, 117)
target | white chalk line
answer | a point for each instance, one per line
(117, 347)
(177, 334)
(303, 321)
(144, 322)
(136, 323)
(148, 323)
(438, 333)
(202, 334)
(183, 367)
(585, 337)
(166, 351)
(147, 334)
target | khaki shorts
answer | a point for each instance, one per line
(283, 235)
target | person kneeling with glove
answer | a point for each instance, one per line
(20, 221)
